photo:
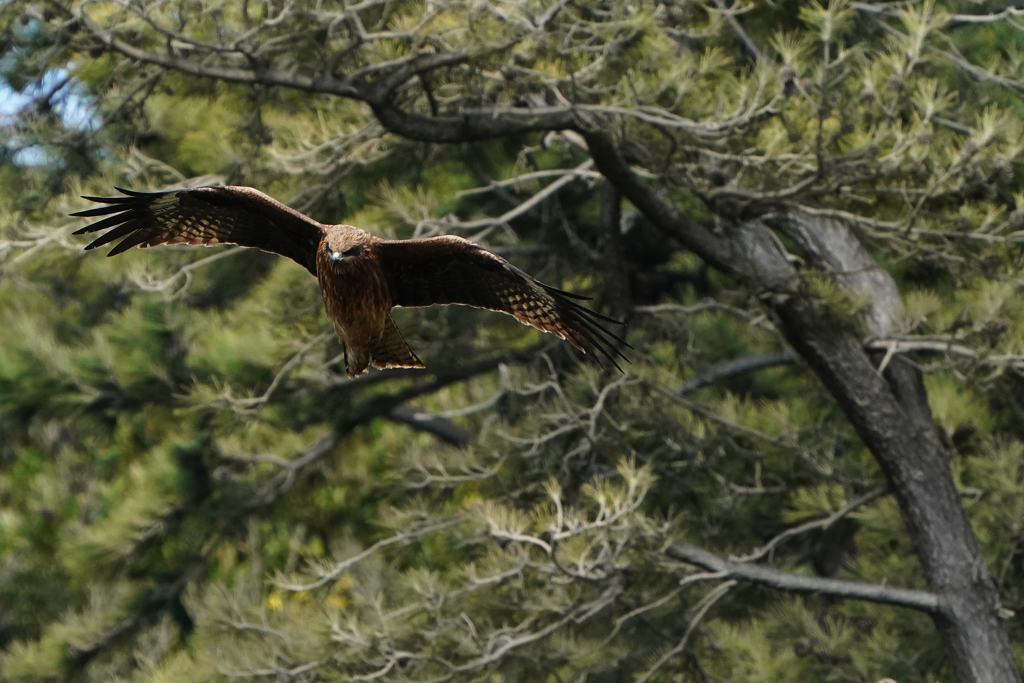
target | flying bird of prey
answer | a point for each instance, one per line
(362, 277)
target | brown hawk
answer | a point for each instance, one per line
(362, 277)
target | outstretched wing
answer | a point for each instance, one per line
(207, 216)
(451, 270)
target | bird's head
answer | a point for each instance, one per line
(345, 248)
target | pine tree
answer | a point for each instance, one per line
(810, 470)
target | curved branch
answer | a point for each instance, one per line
(798, 583)
(823, 524)
(698, 239)
(439, 426)
(741, 366)
(473, 126)
(321, 83)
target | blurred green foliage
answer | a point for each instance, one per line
(191, 490)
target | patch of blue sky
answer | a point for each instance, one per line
(11, 102)
(59, 90)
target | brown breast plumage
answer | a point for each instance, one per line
(355, 294)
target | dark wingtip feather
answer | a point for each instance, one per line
(123, 216)
(555, 292)
(108, 200)
(599, 333)
(599, 341)
(133, 239)
(109, 222)
(133, 193)
(570, 295)
(587, 317)
(100, 211)
(122, 225)
(603, 348)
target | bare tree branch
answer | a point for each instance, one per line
(740, 366)
(823, 524)
(441, 427)
(798, 583)
(701, 611)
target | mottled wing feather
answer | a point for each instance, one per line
(451, 270)
(206, 216)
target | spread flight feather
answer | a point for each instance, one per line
(362, 277)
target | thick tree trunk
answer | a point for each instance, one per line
(615, 273)
(915, 466)
(892, 416)
(890, 413)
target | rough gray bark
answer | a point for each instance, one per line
(831, 247)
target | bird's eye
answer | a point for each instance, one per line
(352, 251)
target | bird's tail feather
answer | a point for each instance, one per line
(391, 350)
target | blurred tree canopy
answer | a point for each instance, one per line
(809, 214)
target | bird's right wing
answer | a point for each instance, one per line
(452, 270)
(206, 216)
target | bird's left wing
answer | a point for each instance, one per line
(451, 270)
(207, 216)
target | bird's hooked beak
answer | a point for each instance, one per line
(337, 257)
